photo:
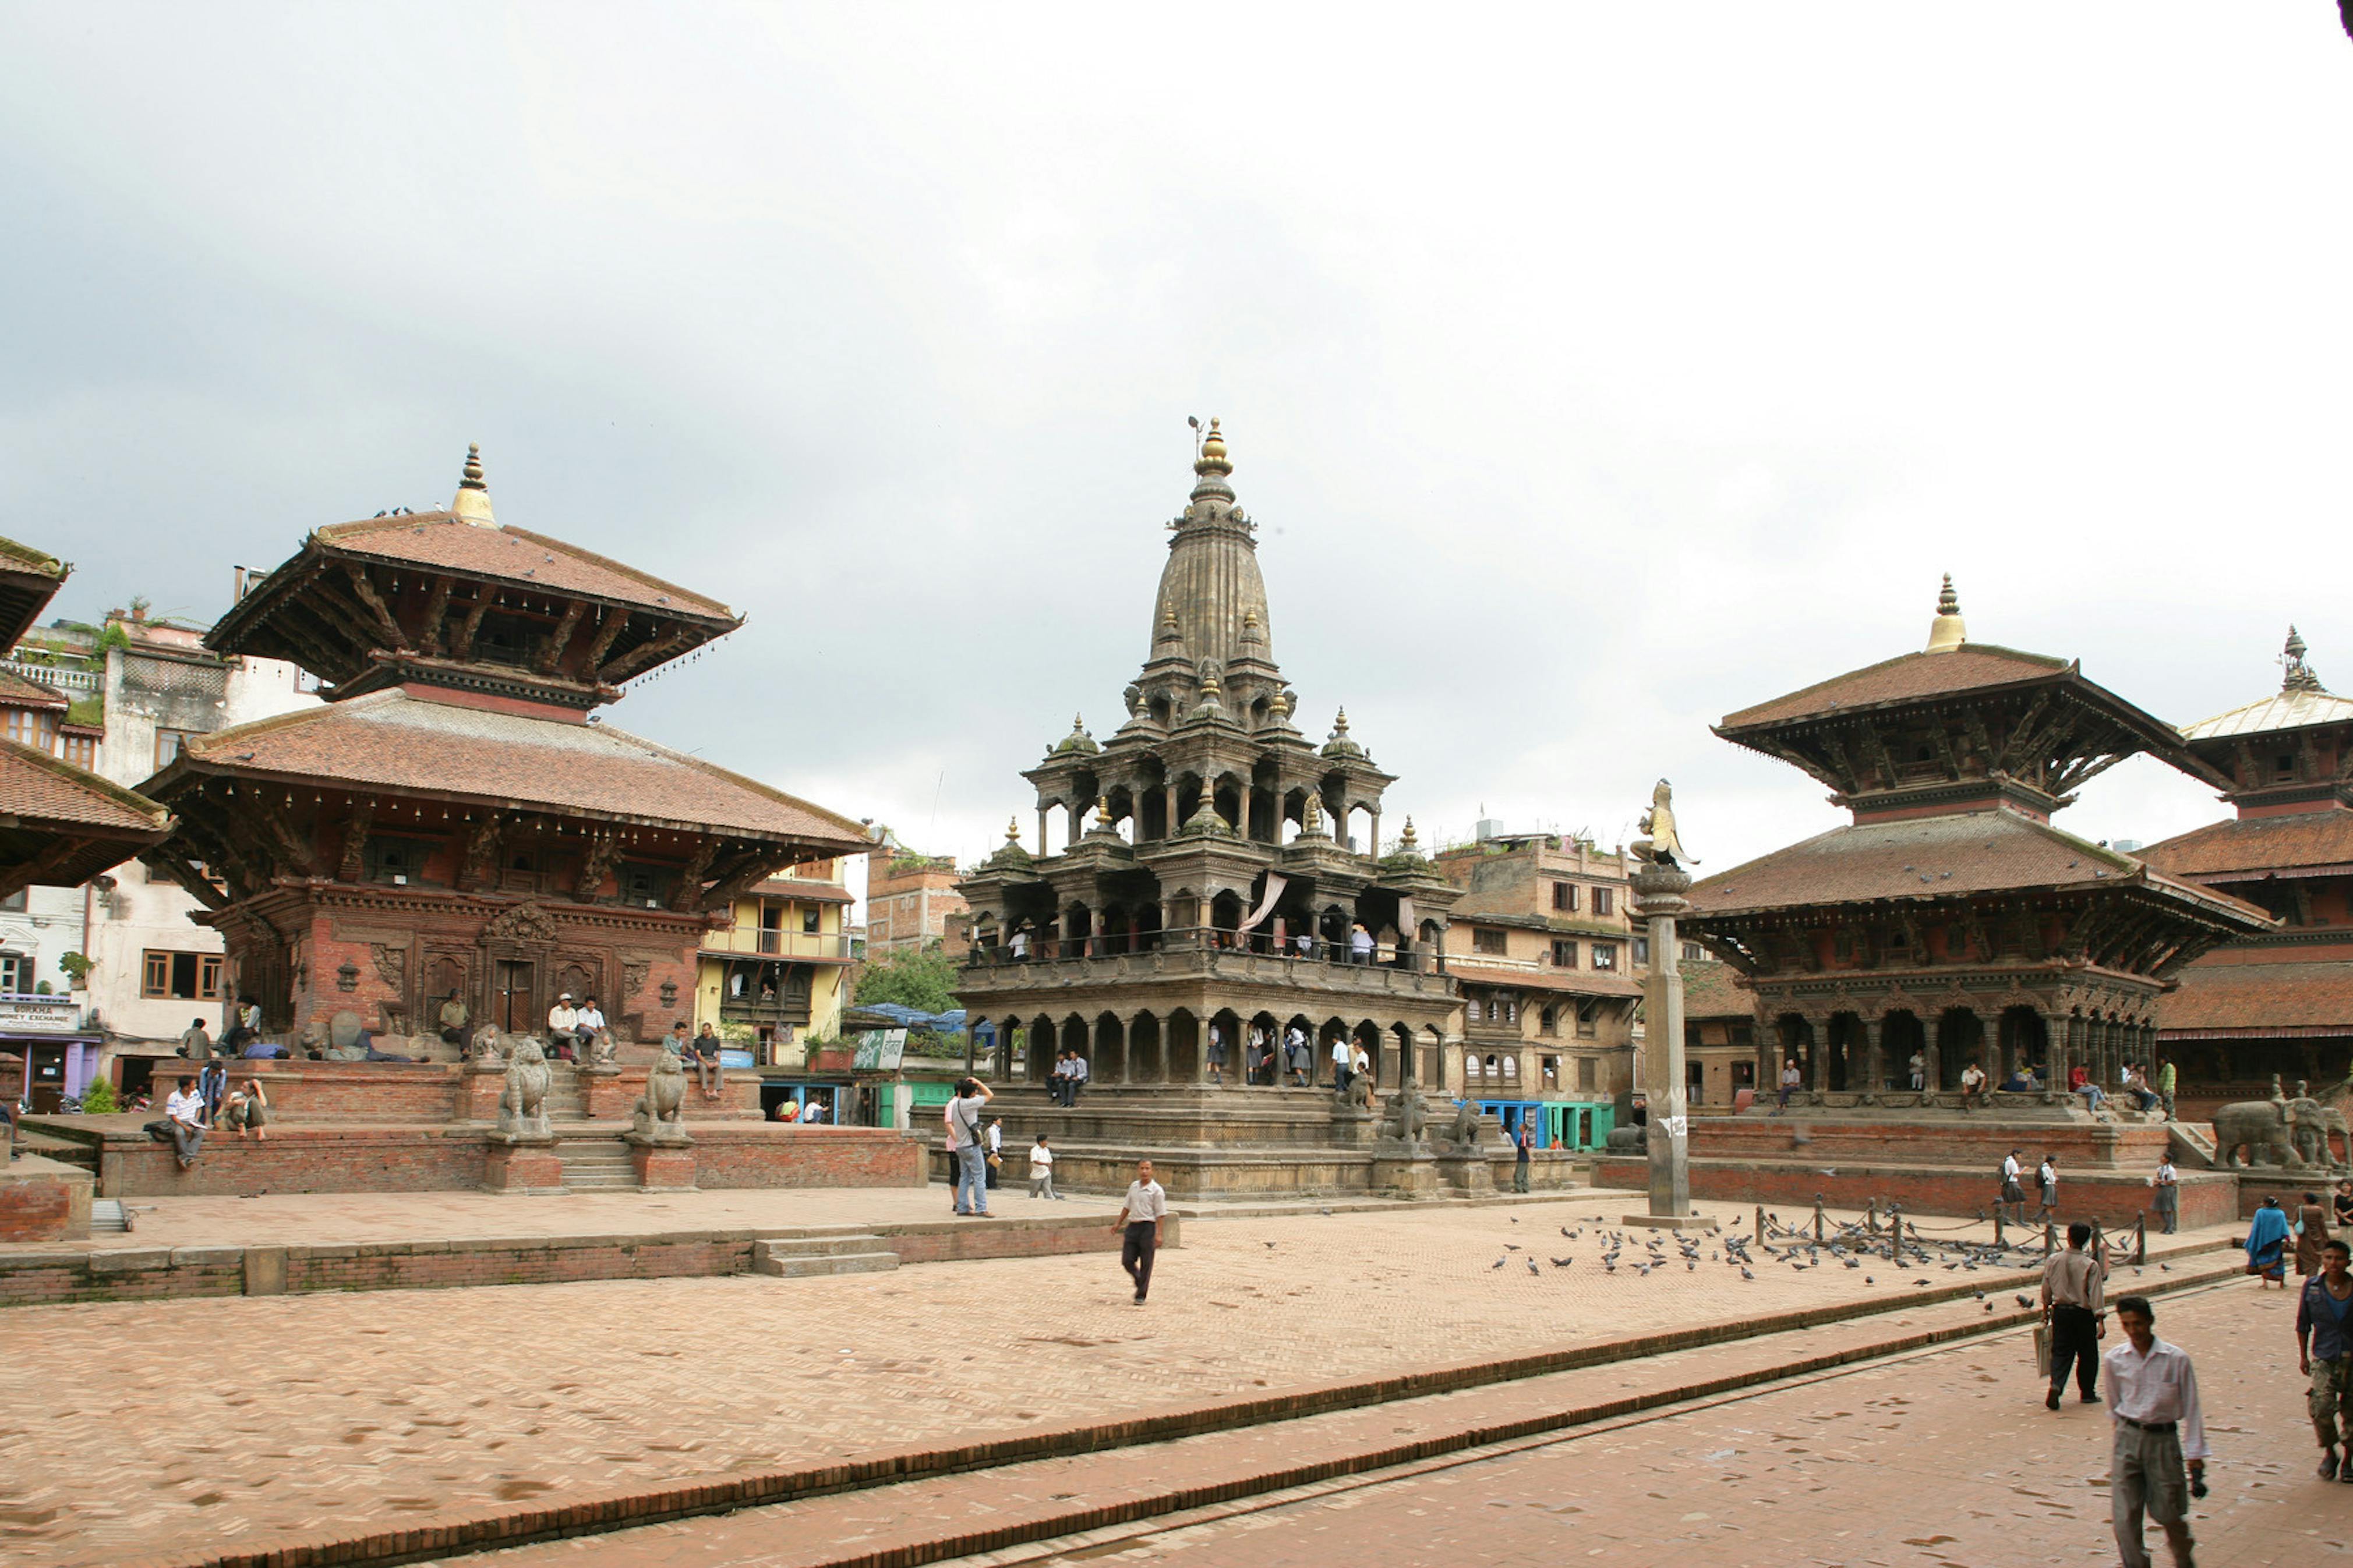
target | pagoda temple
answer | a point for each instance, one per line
(455, 821)
(2279, 1002)
(1207, 881)
(1949, 919)
(59, 824)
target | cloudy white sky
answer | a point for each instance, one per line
(1593, 371)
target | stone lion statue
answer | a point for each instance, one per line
(658, 1114)
(482, 1050)
(1407, 1118)
(1463, 1132)
(1358, 1096)
(522, 1104)
(599, 1052)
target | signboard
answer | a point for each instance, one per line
(879, 1051)
(38, 1016)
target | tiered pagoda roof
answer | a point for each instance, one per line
(59, 824)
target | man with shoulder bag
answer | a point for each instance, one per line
(2073, 1302)
(965, 1141)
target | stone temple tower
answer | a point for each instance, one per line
(1208, 880)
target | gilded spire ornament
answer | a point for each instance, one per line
(473, 502)
(2300, 676)
(1947, 631)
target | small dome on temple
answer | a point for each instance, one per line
(1339, 746)
(2299, 676)
(1947, 631)
(1077, 740)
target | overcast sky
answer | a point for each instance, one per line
(1592, 371)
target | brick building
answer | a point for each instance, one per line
(775, 980)
(2278, 1001)
(1549, 964)
(455, 820)
(912, 902)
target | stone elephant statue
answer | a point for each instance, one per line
(2262, 1126)
(2312, 1126)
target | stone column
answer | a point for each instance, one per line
(1875, 1065)
(1374, 849)
(1170, 790)
(1659, 889)
(2057, 1058)
(1044, 848)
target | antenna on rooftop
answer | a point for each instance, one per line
(1195, 422)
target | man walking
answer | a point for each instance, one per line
(2152, 1397)
(1139, 1223)
(1042, 1170)
(2074, 1288)
(964, 1143)
(2324, 1350)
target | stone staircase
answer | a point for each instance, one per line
(596, 1165)
(109, 1217)
(809, 1257)
(566, 1101)
(2193, 1146)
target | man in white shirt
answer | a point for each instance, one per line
(1359, 1065)
(1139, 1222)
(1340, 1065)
(1791, 1081)
(1020, 943)
(1042, 1170)
(184, 1121)
(2153, 1399)
(1360, 944)
(563, 1027)
(1973, 1082)
(591, 1019)
(965, 1142)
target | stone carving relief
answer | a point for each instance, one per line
(522, 923)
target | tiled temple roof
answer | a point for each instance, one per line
(2248, 848)
(2222, 998)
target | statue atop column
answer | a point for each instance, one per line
(1662, 847)
(1660, 882)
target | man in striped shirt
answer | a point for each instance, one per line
(2153, 1399)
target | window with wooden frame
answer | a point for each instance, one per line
(1604, 900)
(1564, 955)
(1488, 939)
(1564, 897)
(1605, 955)
(180, 976)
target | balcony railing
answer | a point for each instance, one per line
(1194, 950)
(825, 946)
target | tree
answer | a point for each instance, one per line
(922, 979)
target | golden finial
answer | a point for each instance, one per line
(1405, 841)
(1013, 830)
(473, 502)
(1947, 631)
(1340, 725)
(1249, 626)
(1102, 811)
(1213, 459)
(2300, 676)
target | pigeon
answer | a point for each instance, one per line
(1564, 1230)
(1562, 1262)
(1497, 1264)
(1980, 1296)
(1920, 1282)
(1513, 1218)
(1270, 1246)
(2166, 1267)
(1534, 1269)
(1869, 1280)
(1511, 1246)
(1689, 1265)
(2025, 1300)
(1746, 1275)
(1988, 1306)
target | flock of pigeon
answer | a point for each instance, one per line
(1849, 1245)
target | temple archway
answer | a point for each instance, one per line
(1960, 1040)
(1182, 1048)
(2024, 1043)
(1109, 1063)
(1264, 1066)
(1043, 1045)
(1146, 1063)
(1901, 1036)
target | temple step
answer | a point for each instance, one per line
(813, 1256)
(107, 1217)
(590, 1166)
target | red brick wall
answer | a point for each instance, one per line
(364, 1091)
(299, 1160)
(34, 1211)
(775, 1155)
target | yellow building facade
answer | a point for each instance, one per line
(774, 982)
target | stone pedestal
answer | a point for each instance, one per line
(522, 1166)
(43, 1200)
(1466, 1171)
(484, 1081)
(1351, 1128)
(663, 1167)
(1404, 1169)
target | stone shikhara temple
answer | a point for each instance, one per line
(454, 821)
(1952, 922)
(1201, 885)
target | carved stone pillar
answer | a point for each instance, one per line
(2058, 1059)
(1875, 1065)
(1659, 889)
(1044, 848)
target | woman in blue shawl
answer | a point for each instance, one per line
(2267, 1244)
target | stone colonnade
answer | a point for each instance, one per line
(1148, 1047)
(1846, 1051)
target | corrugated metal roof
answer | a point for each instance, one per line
(2293, 710)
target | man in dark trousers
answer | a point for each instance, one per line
(1139, 1222)
(2072, 1299)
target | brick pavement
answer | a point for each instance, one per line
(249, 1422)
(1941, 1459)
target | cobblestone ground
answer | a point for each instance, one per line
(140, 1429)
(1945, 1458)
